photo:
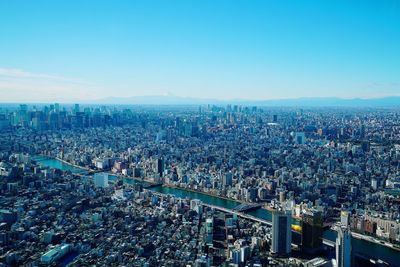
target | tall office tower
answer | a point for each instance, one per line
(275, 118)
(312, 229)
(343, 248)
(236, 257)
(209, 231)
(53, 120)
(22, 117)
(244, 253)
(178, 123)
(23, 107)
(281, 232)
(101, 179)
(76, 108)
(362, 131)
(344, 218)
(160, 166)
(227, 179)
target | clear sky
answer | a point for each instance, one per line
(223, 49)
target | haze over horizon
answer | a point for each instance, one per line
(83, 50)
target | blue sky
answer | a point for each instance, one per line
(82, 50)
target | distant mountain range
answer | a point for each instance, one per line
(393, 101)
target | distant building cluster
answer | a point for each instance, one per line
(54, 117)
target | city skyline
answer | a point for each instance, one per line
(200, 133)
(79, 52)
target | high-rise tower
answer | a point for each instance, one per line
(281, 231)
(343, 247)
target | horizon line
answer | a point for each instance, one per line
(103, 101)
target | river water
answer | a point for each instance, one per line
(371, 249)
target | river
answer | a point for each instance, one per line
(358, 246)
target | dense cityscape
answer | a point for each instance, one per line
(208, 185)
(199, 133)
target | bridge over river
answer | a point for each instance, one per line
(246, 206)
(359, 246)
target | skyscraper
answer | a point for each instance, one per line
(281, 232)
(362, 131)
(209, 231)
(244, 253)
(344, 218)
(312, 229)
(227, 179)
(343, 247)
(76, 108)
(160, 166)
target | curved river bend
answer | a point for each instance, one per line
(358, 246)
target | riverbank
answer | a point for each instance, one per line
(374, 240)
(206, 193)
(74, 165)
(63, 161)
(130, 178)
(93, 170)
(362, 244)
(370, 239)
(148, 181)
